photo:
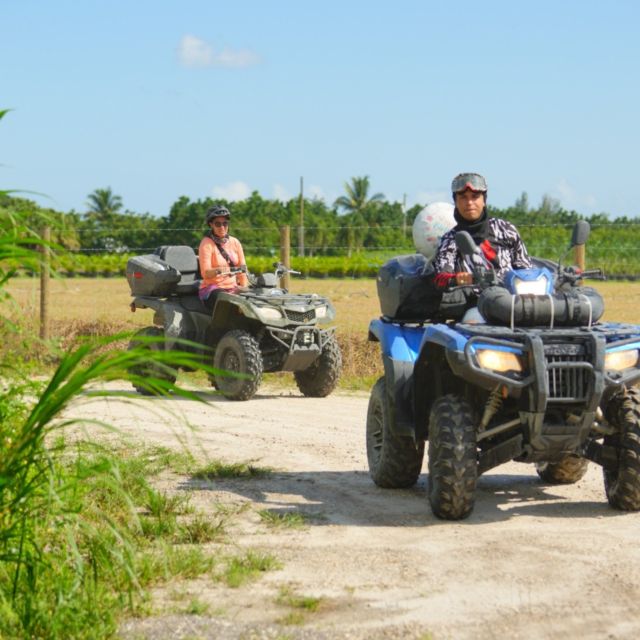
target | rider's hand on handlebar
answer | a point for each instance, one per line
(464, 277)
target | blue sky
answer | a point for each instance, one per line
(207, 98)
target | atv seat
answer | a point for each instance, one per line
(182, 258)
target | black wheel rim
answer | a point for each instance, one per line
(230, 361)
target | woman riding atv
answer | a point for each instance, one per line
(219, 255)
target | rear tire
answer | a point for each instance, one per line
(453, 466)
(568, 470)
(394, 461)
(321, 378)
(238, 352)
(622, 485)
(150, 370)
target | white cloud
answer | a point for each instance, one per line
(233, 191)
(194, 52)
(236, 58)
(570, 198)
(280, 193)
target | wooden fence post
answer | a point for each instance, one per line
(285, 244)
(301, 227)
(45, 269)
(579, 256)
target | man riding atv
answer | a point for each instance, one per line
(501, 245)
(533, 376)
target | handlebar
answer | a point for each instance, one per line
(593, 273)
(282, 269)
(573, 274)
(231, 270)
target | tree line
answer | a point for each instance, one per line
(355, 222)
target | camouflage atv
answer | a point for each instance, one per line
(262, 329)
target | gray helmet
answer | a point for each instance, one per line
(464, 181)
(217, 211)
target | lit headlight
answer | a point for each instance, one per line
(619, 360)
(269, 313)
(501, 361)
(537, 281)
(539, 286)
(321, 312)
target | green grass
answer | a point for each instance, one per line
(197, 607)
(290, 599)
(201, 529)
(216, 470)
(163, 561)
(247, 567)
(302, 606)
(111, 538)
(286, 520)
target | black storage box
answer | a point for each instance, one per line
(406, 290)
(149, 275)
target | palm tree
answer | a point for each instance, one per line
(102, 216)
(357, 198)
(104, 202)
(355, 204)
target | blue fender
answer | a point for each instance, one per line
(444, 336)
(397, 341)
(405, 342)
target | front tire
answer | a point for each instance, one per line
(622, 485)
(394, 461)
(453, 466)
(568, 470)
(321, 378)
(238, 352)
(150, 370)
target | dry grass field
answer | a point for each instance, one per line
(100, 306)
(356, 301)
(108, 299)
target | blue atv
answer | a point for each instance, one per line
(526, 373)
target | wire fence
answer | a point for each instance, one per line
(614, 246)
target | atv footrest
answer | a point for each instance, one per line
(503, 452)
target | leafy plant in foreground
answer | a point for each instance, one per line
(73, 554)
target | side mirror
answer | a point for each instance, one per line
(580, 233)
(465, 243)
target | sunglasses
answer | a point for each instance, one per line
(221, 223)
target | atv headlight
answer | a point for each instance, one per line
(321, 312)
(537, 281)
(501, 361)
(619, 360)
(538, 287)
(270, 313)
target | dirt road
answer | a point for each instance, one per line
(532, 561)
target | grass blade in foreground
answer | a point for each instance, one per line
(69, 528)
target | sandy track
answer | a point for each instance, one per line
(532, 561)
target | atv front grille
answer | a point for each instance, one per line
(301, 316)
(568, 377)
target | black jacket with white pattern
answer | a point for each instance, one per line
(503, 249)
